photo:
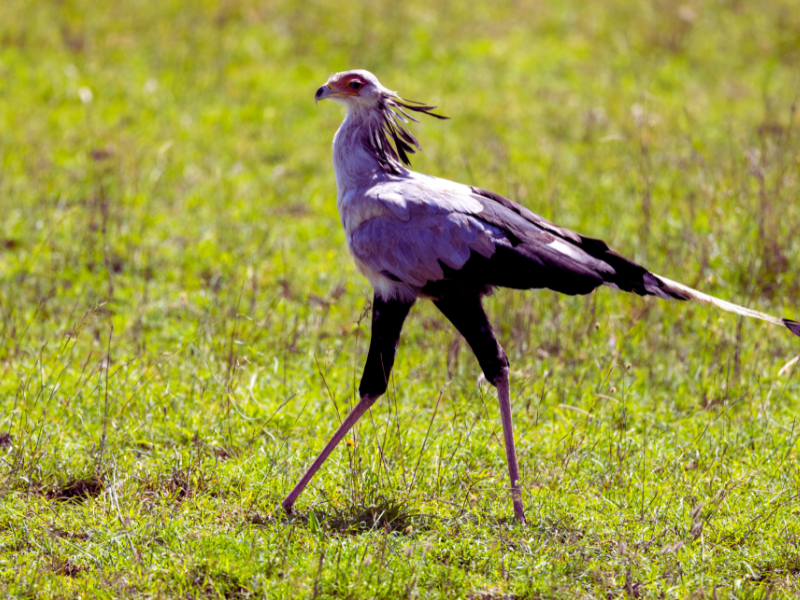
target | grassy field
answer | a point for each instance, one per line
(181, 327)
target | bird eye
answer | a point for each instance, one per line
(355, 84)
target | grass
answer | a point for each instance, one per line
(182, 328)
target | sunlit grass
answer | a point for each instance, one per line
(182, 328)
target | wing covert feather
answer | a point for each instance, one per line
(414, 251)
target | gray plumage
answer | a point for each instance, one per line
(410, 233)
(413, 236)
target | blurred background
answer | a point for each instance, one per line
(164, 171)
(164, 164)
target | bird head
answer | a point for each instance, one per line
(383, 110)
(355, 89)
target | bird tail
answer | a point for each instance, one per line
(681, 290)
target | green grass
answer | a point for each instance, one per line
(181, 327)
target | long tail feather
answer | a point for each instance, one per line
(793, 326)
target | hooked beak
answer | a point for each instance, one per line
(322, 93)
(326, 91)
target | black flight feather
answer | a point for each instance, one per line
(529, 234)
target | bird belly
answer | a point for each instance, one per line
(385, 287)
(354, 210)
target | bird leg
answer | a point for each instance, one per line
(387, 322)
(504, 396)
(351, 419)
(468, 316)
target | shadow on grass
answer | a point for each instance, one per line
(183, 483)
(76, 490)
(217, 584)
(67, 568)
(382, 514)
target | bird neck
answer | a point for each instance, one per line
(353, 163)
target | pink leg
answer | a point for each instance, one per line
(355, 414)
(387, 322)
(467, 314)
(504, 396)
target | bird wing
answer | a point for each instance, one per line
(618, 272)
(419, 249)
(425, 231)
(581, 263)
(438, 236)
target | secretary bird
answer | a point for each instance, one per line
(416, 236)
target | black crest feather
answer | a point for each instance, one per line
(391, 143)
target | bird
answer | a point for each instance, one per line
(416, 236)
